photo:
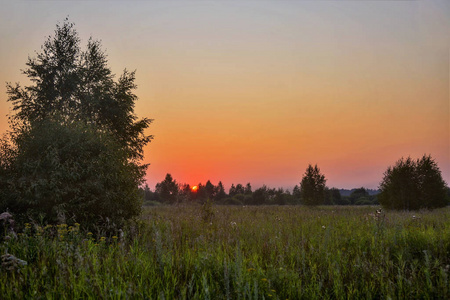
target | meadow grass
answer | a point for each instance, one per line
(229, 252)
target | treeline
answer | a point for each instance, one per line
(169, 191)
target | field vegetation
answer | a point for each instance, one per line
(235, 252)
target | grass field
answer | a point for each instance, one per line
(224, 252)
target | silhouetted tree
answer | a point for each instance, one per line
(240, 189)
(411, 185)
(313, 186)
(232, 190)
(335, 196)
(149, 195)
(210, 190)
(260, 196)
(219, 192)
(248, 189)
(185, 193)
(201, 195)
(281, 197)
(296, 193)
(167, 190)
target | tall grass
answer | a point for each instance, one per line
(290, 252)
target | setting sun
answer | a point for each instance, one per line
(194, 188)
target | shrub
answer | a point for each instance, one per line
(231, 201)
(70, 173)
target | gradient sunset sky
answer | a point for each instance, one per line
(254, 91)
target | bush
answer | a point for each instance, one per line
(70, 173)
(412, 185)
(231, 201)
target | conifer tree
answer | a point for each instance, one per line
(312, 186)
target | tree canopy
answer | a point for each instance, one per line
(70, 85)
(413, 184)
(312, 186)
(168, 189)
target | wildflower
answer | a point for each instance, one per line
(114, 237)
(323, 227)
(273, 291)
(250, 270)
(264, 279)
(89, 233)
(77, 224)
(102, 239)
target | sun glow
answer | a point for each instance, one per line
(194, 188)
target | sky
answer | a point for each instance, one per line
(254, 91)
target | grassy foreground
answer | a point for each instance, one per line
(289, 252)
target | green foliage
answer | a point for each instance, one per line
(74, 85)
(71, 173)
(413, 185)
(74, 147)
(247, 253)
(357, 194)
(313, 186)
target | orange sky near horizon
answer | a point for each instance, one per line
(255, 91)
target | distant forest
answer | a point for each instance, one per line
(346, 192)
(169, 191)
